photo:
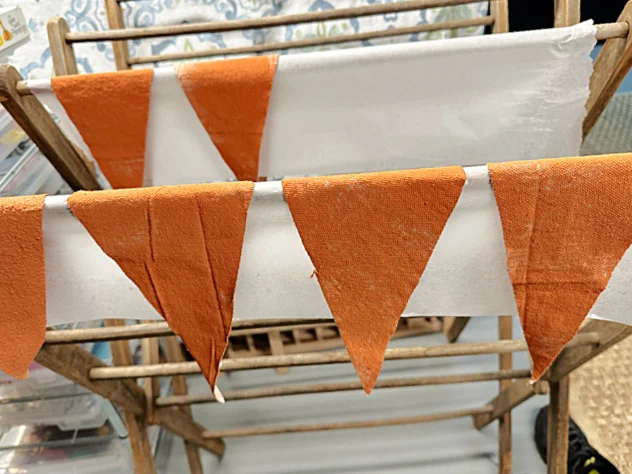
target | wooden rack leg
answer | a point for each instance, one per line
(453, 326)
(567, 12)
(113, 9)
(75, 364)
(557, 429)
(605, 64)
(504, 422)
(136, 425)
(519, 391)
(33, 118)
(179, 387)
(276, 348)
(62, 54)
(500, 11)
(150, 351)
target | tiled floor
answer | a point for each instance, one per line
(449, 446)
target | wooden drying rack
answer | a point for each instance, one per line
(144, 406)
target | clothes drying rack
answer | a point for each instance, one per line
(143, 406)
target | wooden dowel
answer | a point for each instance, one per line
(23, 88)
(256, 23)
(612, 30)
(159, 329)
(240, 327)
(505, 362)
(261, 48)
(557, 429)
(287, 327)
(345, 425)
(118, 333)
(266, 392)
(339, 357)
(604, 31)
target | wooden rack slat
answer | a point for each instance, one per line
(604, 31)
(267, 47)
(325, 358)
(448, 415)
(159, 329)
(612, 30)
(266, 392)
(256, 23)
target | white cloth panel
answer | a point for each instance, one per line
(179, 151)
(465, 101)
(466, 275)
(43, 91)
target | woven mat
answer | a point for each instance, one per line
(601, 390)
(601, 403)
(613, 131)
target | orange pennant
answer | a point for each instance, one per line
(370, 236)
(110, 111)
(23, 288)
(230, 98)
(181, 245)
(566, 224)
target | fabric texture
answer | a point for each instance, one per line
(181, 246)
(23, 289)
(111, 112)
(566, 225)
(369, 237)
(231, 100)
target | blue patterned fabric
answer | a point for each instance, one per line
(34, 59)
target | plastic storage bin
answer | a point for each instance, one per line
(32, 449)
(10, 134)
(27, 171)
(48, 399)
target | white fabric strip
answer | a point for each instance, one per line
(466, 275)
(466, 101)
(463, 101)
(42, 89)
(179, 151)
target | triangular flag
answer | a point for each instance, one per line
(110, 111)
(370, 236)
(230, 97)
(181, 245)
(23, 287)
(566, 224)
